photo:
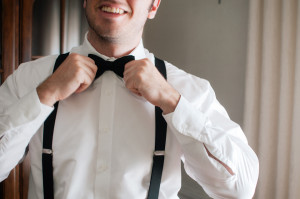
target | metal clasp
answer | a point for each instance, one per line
(159, 153)
(47, 151)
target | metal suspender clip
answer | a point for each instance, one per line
(159, 153)
(47, 151)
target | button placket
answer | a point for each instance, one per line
(106, 109)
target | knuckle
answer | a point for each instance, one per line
(95, 68)
(75, 58)
(78, 71)
(145, 61)
(127, 85)
(74, 55)
(76, 62)
(140, 75)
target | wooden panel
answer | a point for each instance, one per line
(16, 48)
(11, 185)
(26, 30)
(16, 20)
(26, 13)
(10, 59)
(10, 41)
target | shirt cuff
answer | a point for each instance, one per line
(27, 109)
(187, 120)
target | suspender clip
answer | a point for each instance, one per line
(159, 153)
(47, 151)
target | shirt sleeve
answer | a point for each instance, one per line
(203, 122)
(21, 115)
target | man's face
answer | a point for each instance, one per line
(118, 20)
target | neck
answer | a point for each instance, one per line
(112, 48)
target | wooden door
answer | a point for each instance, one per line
(16, 47)
(16, 28)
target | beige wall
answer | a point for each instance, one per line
(206, 39)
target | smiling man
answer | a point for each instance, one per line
(108, 113)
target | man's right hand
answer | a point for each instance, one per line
(74, 75)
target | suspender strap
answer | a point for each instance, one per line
(47, 144)
(160, 141)
(158, 156)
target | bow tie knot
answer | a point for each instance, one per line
(116, 66)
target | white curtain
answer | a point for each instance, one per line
(272, 101)
(46, 26)
(75, 24)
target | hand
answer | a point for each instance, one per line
(142, 78)
(74, 75)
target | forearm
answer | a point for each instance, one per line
(19, 122)
(215, 152)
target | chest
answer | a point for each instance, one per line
(103, 119)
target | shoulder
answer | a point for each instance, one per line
(183, 81)
(196, 90)
(42, 64)
(30, 74)
(176, 75)
(186, 83)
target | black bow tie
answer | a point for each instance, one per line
(116, 66)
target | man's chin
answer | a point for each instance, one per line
(109, 38)
(106, 36)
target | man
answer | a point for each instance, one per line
(104, 132)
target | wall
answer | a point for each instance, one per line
(207, 39)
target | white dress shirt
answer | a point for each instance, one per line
(104, 137)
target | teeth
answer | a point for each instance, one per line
(112, 10)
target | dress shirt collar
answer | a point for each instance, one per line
(138, 52)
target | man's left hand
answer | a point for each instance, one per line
(142, 78)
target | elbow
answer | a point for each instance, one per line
(246, 180)
(245, 183)
(242, 185)
(234, 190)
(245, 191)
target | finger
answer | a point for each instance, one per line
(83, 61)
(81, 88)
(129, 76)
(135, 91)
(87, 81)
(135, 73)
(90, 63)
(89, 70)
(129, 83)
(130, 67)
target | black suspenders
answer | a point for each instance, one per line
(160, 142)
(158, 155)
(47, 144)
